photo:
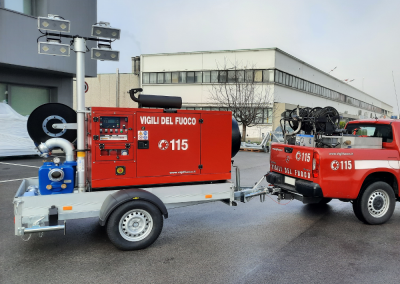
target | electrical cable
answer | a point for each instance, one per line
(40, 37)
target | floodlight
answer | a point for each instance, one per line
(105, 32)
(54, 24)
(105, 54)
(54, 48)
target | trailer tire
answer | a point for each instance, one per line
(375, 204)
(135, 225)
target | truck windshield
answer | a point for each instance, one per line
(372, 130)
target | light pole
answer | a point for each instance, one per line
(102, 33)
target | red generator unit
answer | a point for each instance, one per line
(142, 146)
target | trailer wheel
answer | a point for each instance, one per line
(376, 203)
(134, 225)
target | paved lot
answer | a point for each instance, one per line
(209, 243)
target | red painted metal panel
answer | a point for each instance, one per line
(174, 144)
(216, 142)
(174, 152)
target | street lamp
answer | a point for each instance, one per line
(54, 23)
(104, 30)
(54, 48)
(103, 35)
(105, 54)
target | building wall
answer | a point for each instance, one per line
(60, 86)
(207, 60)
(20, 63)
(19, 32)
(103, 90)
(296, 67)
(296, 97)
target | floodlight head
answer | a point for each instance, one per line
(105, 31)
(105, 54)
(53, 48)
(54, 24)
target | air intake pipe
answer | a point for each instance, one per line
(64, 144)
(155, 101)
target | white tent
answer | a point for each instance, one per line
(14, 138)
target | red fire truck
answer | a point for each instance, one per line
(359, 164)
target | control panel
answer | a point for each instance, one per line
(114, 128)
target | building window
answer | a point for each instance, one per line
(278, 76)
(257, 75)
(222, 76)
(268, 75)
(190, 77)
(206, 76)
(182, 77)
(3, 93)
(153, 78)
(198, 76)
(248, 75)
(24, 99)
(22, 6)
(300, 84)
(214, 76)
(146, 78)
(312, 88)
(231, 76)
(160, 78)
(167, 78)
(175, 77)
(240, 76)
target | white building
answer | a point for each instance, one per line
(191, 76)
(292, 82)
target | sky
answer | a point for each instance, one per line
(360, 38)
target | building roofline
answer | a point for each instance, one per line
(264, 49)
(329, 75)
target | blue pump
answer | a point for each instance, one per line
(57, 178)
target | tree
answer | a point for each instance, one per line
(242, 91)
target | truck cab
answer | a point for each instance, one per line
(361, 167)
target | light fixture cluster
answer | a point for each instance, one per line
(102, 32)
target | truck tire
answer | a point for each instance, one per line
(375, 204)
(135, 225)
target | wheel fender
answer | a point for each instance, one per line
(125, 195)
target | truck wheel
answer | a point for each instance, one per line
(134, 225)
(376, 204)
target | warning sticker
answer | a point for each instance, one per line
(143, 135)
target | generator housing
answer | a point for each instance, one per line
(140, 146)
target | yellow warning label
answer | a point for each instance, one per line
(81, 154)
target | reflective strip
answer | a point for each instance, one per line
(372, 164)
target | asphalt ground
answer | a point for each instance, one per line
(209, 243)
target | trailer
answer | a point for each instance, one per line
(126, 166)
(138, 164)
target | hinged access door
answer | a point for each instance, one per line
(168, 144)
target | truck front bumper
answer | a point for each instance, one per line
(303, 187)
